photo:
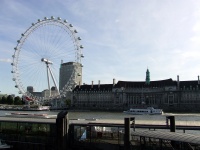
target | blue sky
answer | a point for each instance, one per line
(120, 38)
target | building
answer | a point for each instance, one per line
(67, 70)
(99, 96)
(168, 94)
(53, 93)
(46, 94)
(30, 89)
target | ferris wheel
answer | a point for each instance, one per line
(39, 54)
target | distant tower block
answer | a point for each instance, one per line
(30, 89)
(66, 70)
(147, 77)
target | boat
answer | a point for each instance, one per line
(27, 115)
(33, 104)
(36, 108)
(144, 111)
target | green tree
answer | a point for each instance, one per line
(3, 100)
(10, 100)
(68, 103)
(17, 101)
(0, 100)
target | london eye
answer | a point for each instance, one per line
(38, 55)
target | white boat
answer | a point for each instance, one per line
(144, 111)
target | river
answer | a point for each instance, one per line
(181, 119)
(192, 119)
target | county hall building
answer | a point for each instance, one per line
(167, 94)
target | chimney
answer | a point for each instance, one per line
(198, 80)
(178, 81)
(99, 84)
(92, 84)
(113, 82)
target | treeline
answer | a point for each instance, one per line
(10, 100)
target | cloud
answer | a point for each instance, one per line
(196, 27)
(5, 60)
(120, 39)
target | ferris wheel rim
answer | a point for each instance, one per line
(39, 24)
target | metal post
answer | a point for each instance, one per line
(172, 123)
(62, 126)
(172, 126)
(127, 134)
(52, 76)
(71, 135)
(48, 80)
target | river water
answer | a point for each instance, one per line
(192, 119)
(181, 119)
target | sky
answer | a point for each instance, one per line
(121, 39)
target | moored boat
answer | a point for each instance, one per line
(33, 104)
(144, 111)
(27, 115)
(36, 108)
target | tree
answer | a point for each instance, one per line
(17, 101)
(68, 103)
(10, 100)
(3, 100)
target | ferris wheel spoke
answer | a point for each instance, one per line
(44, 38)
(54, 39)
(35, 70)
(34, 42)
(48, 45)
(58, 39)
(59, 49)
(67, 54)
